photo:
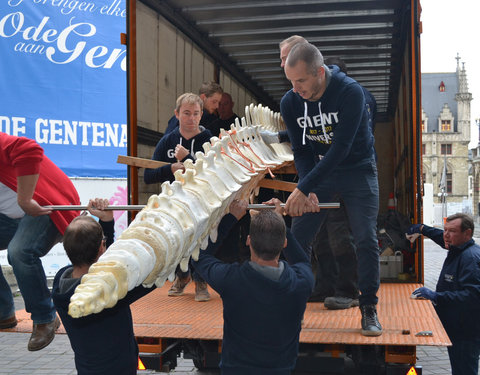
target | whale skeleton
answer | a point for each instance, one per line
(178, 222)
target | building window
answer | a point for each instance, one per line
(423, 149)
(423, 126)
(446, 126)
(446, 149)
(449, 183)
(424, 178)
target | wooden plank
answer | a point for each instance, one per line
(140, 162)
(277, 185)
(287, 169)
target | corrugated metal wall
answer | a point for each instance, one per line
(169, 64)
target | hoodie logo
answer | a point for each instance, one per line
(448, 278)
(316, 121)
(314, 131)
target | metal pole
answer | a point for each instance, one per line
(138, 207)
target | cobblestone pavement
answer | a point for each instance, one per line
(57, 358)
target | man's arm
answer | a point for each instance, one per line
(25, 190)
(349, 119)
(212, 270)
(96, 207)
(303, 155)
(160, 174)
(436, 235)
(298, 259)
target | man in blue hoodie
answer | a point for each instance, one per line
(175, 147)
(264, 299)
(457, 295)
(328, 125)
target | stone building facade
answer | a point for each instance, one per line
(446, 133)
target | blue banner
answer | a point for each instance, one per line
(63, 81)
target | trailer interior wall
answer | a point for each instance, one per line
(169, 64)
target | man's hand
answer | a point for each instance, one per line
(180, 152)
(415, 228)
(176, 166)
(238, 208)
(276, 202)
(32, 208)
(298, 203)
(426, 293)
(97, 206)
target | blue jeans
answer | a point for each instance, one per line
(357, 185)
(28, 239)
(464, 356)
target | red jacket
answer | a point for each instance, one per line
(20, 156)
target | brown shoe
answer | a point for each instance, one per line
(179, 285)
(201, 291)
(43, 335)
(10, 322)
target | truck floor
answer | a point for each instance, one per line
(160, 316)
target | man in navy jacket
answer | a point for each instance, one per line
(103, 343)
(328, 126)
(263, 299)
(457, 295)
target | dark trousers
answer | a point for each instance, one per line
(335, 255)
(464, 357)
(357, 185)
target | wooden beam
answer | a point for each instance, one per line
(277, 185)
(140, 162)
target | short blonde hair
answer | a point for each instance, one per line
(188, 98)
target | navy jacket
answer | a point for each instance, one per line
(262, 317)
(458, 288)
(165, 151)
(103, 343)
(335, 127)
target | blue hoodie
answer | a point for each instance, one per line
(337, 129)
(262, 317)
(165, 151)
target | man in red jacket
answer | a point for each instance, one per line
(28, 181)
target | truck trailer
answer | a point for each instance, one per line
(175, 45)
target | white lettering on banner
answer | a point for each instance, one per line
(13, 24)
(68, 6)
(15, 126)
(41, 135)
(114, 9)
(97, 134)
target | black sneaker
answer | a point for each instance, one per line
(370, 324)
(338, 303)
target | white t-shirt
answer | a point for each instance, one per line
(8, 203)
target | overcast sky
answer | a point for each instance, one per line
(450, 27)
